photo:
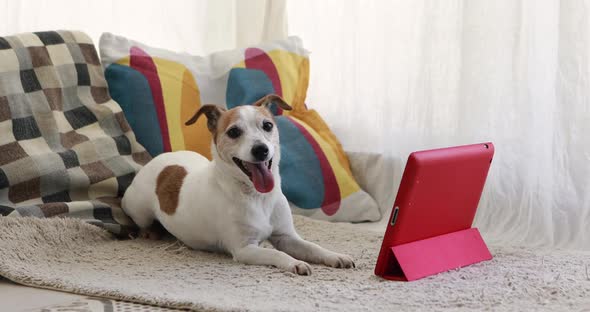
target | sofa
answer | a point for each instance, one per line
(62, 71)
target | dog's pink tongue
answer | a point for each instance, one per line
(261, 177)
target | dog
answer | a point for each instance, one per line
(232, 203)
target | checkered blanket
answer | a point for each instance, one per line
(66, 148)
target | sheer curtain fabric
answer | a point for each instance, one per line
(193, 26)
(396, 76)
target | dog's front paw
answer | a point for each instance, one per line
(299, 268)
(337, 260)
(150, 234)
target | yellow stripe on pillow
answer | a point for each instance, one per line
(288, 66)
(196, 136)
(168, 73)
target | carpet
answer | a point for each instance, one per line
(72, 256)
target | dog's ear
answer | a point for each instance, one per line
(213, 112)
(273, 98)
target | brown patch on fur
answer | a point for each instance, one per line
(168, 187)
(227, 119)
(213, 113)
(268, 99)
(265, 111)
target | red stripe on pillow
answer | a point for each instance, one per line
(142, 62)
(258, 59)
(331, 202)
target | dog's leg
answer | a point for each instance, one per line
(310, 252)
(153, 232)
(286, 239)
(253, 254)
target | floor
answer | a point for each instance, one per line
(16, 297)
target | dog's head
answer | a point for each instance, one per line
(246, 140)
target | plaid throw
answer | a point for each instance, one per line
(66, 149)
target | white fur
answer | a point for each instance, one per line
(219, 209)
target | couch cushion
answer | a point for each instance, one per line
(160, 90)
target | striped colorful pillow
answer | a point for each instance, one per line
(159, 90)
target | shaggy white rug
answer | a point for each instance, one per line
(72, 256)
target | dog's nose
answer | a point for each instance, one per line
(260, 152)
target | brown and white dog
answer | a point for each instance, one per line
(232, 203)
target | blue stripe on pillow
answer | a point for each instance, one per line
(131, 90)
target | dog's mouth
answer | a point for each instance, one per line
(259, 173)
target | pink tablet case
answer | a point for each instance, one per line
(433, 213)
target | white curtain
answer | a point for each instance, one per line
(193, 26)
(397, 76)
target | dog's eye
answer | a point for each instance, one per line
(234, 132)
(267, 126)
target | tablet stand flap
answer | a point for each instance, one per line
(438, 254)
